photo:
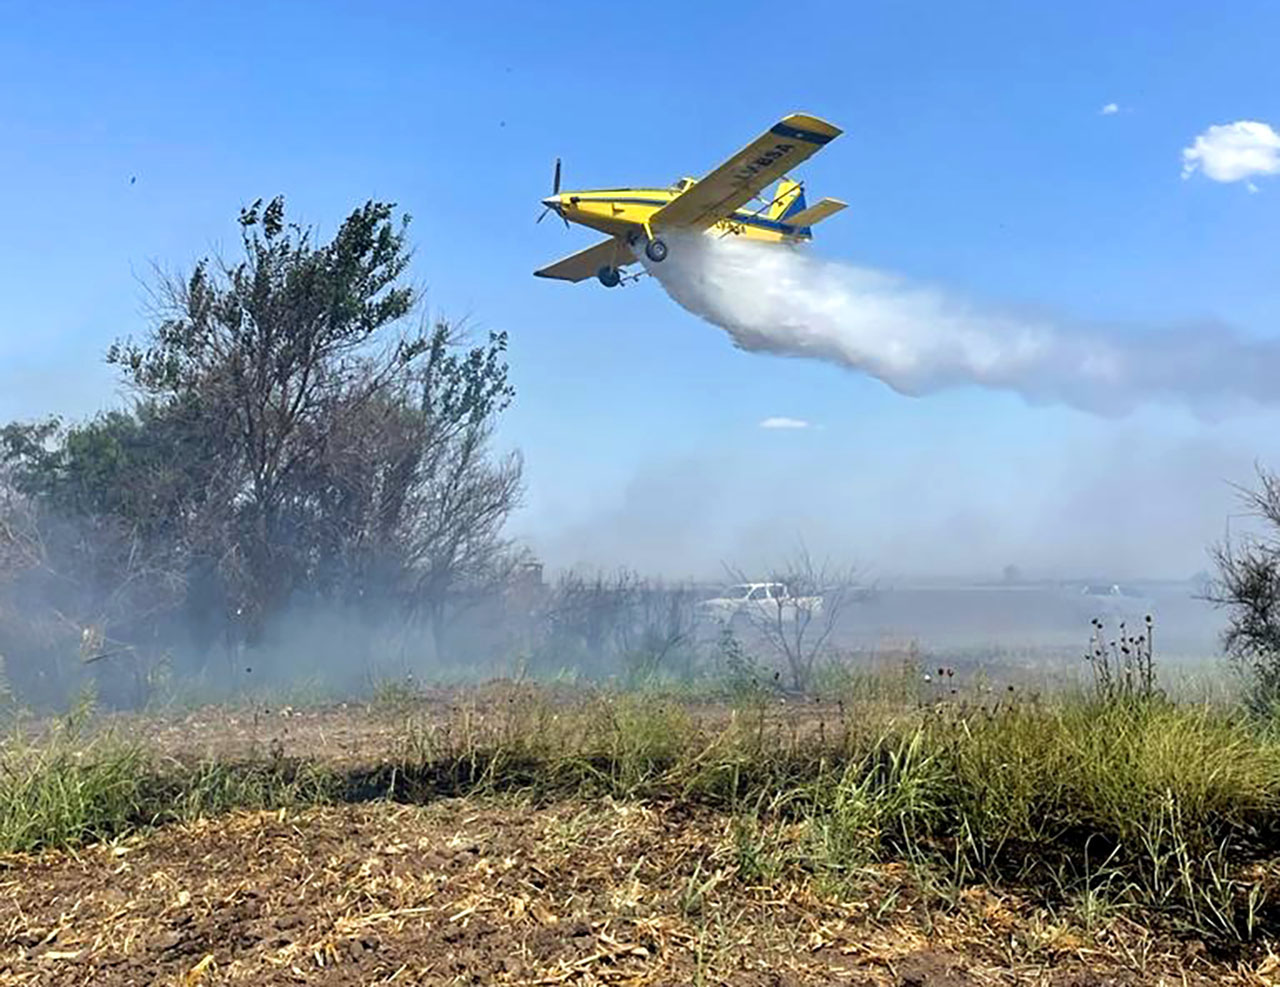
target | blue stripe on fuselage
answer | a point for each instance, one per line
(747, 219)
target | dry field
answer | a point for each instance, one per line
(521, 888)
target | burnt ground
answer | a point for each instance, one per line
(494, 892)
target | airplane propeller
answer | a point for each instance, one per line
(555, 191)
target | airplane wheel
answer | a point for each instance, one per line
(610, 277)
(656, 251)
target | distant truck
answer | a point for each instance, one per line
(1112, 602)
(758, 601)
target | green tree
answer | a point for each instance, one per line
(300, 435)
(338, 420)
(94, 564)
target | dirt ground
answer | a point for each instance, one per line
(346, 734)
(463, 892)
(340, 734)
(351, 733)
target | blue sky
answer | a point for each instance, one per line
(976, 157)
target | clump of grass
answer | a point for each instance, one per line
(1158, 805)
(70, 787)
(55, 795)
(212, 787)
(760, 858)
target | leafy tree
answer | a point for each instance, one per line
(91, 565)
(338, 426)
(300, 435)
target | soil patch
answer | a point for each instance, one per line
(464, 892)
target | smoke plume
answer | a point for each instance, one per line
(918, 339)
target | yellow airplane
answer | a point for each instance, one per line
(717, 204)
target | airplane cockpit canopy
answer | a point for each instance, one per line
(681, 184)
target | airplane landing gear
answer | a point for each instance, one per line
(610, 277)
(656, 250)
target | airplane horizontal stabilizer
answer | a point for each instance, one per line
(816, 213)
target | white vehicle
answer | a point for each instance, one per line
(759, 601)
(1114, 603)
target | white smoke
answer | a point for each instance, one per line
(918, 339)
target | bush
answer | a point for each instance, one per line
(1248, 587)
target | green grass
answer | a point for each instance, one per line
(69, 788)
(56, 796)
(1142, 803)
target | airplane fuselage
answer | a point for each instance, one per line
(620, 212)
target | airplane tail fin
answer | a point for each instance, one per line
(788, 200)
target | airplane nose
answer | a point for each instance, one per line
(551, 201)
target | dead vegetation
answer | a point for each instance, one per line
(516, 834)
(576, 893)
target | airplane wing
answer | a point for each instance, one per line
(613, 252)
(734, 183)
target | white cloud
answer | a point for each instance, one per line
(1231, 152)
(782, 422)
(1109, 109)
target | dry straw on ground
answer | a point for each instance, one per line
(496, 892)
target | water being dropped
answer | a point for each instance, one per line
(789, 301)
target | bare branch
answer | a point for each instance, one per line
(801, 605)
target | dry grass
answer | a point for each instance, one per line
(495, 892)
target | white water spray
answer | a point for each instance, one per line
(919, 340)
